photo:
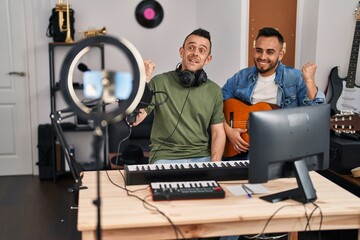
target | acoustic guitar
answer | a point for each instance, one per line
(237, 116)
(345, 122)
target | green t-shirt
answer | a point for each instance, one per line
(181, 122)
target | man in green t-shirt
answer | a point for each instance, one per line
(186, 106)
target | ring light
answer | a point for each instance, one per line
(125, 106)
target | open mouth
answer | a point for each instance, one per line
(193, 61)
(263, 63)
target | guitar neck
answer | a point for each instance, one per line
(350, 83)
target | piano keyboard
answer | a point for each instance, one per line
(186, 190)
(218, 171)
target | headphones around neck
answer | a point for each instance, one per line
(190, 79)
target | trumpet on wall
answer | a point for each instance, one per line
(94, 32)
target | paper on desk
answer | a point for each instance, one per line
(238, 190)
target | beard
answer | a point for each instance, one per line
(272, 66)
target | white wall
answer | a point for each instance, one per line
(306, 32)
(226, 36)
(161, 44)
(324, 35)
(335, 32)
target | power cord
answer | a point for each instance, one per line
(119, 145)
(146, 204)
(308, 219)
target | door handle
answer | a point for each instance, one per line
(21, 74)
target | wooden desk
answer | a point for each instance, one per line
(124, 217)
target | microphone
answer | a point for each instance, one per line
(82, 67)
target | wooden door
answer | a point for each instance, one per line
(280, 14)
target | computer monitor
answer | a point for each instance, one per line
(288, 142)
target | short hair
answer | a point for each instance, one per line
(201, 33)
(270, 32)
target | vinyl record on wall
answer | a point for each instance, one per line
(149, 13)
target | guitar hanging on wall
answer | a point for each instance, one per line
(346, 94)
(237, 116)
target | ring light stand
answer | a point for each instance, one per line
(75, 170)
(101, 119)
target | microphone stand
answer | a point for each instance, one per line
(97, 143)
(100, 129)
(75, 169)
(67, 71)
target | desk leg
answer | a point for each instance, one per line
(294, 236)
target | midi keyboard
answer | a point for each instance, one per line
(186, 190)
(197, 171)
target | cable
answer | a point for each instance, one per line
(156, 104)
(146, 204)
(119, 145)
(261, 234)
(160, 103)
(129, 192)
(177, 123)
(321, 219)
(307, 227)
(131, 120)
(121, 187)
(308, 219)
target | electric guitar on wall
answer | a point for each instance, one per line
(237, 116)
(345, 94)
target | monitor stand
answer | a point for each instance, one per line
(304, 193)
